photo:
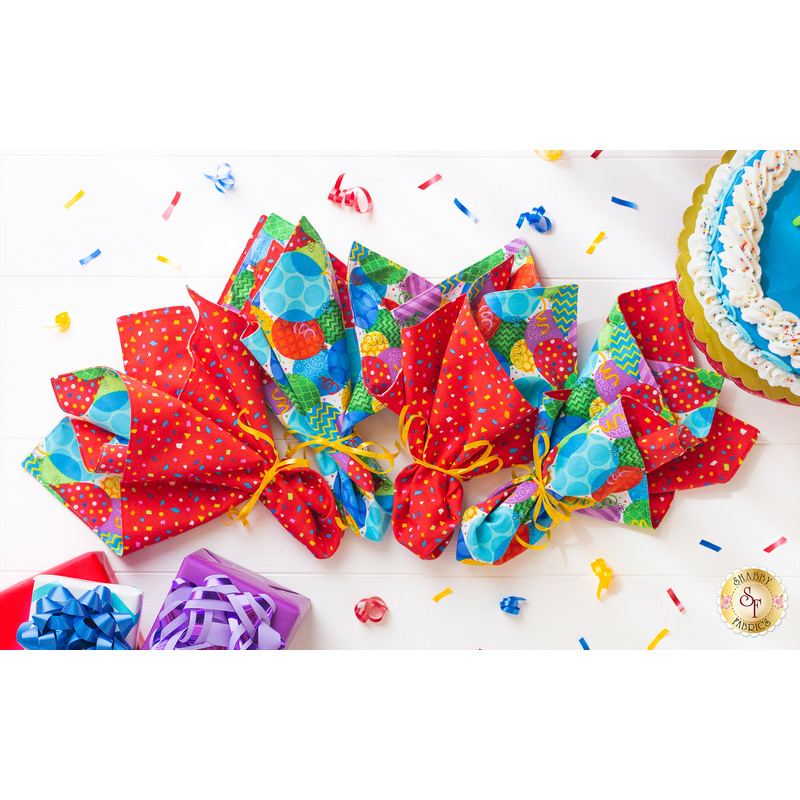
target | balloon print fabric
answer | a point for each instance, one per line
(638, 423)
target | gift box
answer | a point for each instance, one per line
(215, 604)
(73, 614)
(15, 601)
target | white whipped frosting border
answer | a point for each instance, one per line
(732, 336)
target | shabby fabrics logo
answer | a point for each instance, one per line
(752, 601)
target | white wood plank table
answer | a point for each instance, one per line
(40, 247)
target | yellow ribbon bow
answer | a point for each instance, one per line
(558, 510)
(455, 472)
(604, 573)
(62, 321)
(358, 454)
(267, 476)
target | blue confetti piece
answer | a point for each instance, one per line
(465, 210)
(583, 643)
(90, 257)
(536, 218)
(511, 604)
(626, 203)
(715, 547)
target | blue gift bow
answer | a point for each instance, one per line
(63, 622)
(223, 179)
(536, 218)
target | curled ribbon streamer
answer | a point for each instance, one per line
(349, 197)
(626, 203)
(483, 460)
(675, 600)
(63, 622)
(168, 261)
(223, 179)
(775, 544)
(658, 638)
(511, 604)
(317, 443)
(464, 209)
(549, 155)
(370, 609)
(599, 238)
(557, 509)
(74, 200)
(62, 321)
(91, 257)
(171, 206)
(430, 181)
(267, 476)
(442, 594)
(215, 615)
(604, 573)
(536, 218)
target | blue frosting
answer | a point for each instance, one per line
(779, 258)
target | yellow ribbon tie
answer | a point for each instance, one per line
(603, 572)
(358, 454)
(558, 510)
(267, 476)
(483, 460)
(62, 321)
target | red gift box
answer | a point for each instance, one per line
(15, 601)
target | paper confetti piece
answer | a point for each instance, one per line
(796, 222)
(62, 321)
(430, 181)
(626, 203)
(370, 609)
(658, 638)
(603, 572)
(223, 179)
(549, 155)
(775, 544)
(90, 257)
(169, 261)
(599, 238)
(715, 547)
(171, 206)
(350, 197)
(465, 210)
(443, 593)
(511, 604)
(675, 600)
(596, 153)
(74, 199)
(583, 643)
(536, 218)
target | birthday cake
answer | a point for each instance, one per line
(740, 270)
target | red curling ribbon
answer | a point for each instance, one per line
(775, 544)
(350, 197)
(370, 609)
(675, 600)
(430, 181)
(596, 153)
(172, 205)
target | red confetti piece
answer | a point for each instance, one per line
(172, 205)
(675, 599)
(350, 197)
(370, 609)
(596, 153)
(430, 181)
(778, 543)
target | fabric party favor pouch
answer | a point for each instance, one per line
(178, 439)
(215, 604)
(640, 423)
(300, 341)
(72, 614)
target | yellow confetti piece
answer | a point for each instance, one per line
(443, 593)
(169, 261)
(600, 237)
(604, 573)
(62, 321)
(658, 638)
(549, 155)
(74, 199)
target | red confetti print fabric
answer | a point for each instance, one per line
(638, 423)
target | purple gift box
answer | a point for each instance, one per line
(217, 604)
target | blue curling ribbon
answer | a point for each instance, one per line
(511, 604)
(626, 203)
(464, 209)
(63, 622)
(583, 643)
(536, 218)
(90, 257)
(223, 179)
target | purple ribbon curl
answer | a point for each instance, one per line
(215, 616)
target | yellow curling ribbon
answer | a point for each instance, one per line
(483, 460)
(73, 200)
(358, 454)
(604, 573)
(62, 321)
(549, 155)
(169, 261)
(558, 510)
(267, 476)
(599, 238)
(658, 638)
